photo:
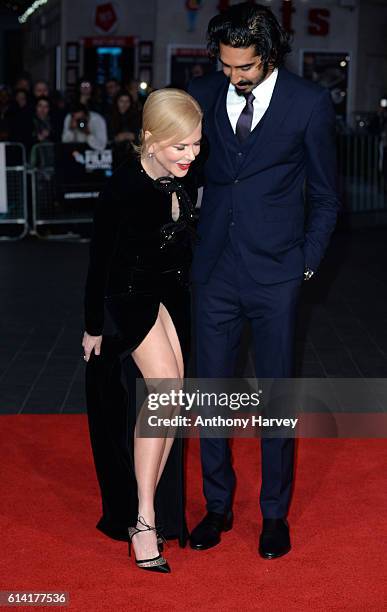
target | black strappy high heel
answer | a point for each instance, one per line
(160, 540)
(156, 564)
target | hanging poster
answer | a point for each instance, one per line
(192, 8)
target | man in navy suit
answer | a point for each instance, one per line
(272, 145)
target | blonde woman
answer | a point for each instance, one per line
(140, 255)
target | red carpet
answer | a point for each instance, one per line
(49, 507)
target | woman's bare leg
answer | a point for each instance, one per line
(156, 359)
(174, 341)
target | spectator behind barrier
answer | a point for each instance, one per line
(125, 120)
(21, 119)
(89, 95)
(85, 126)
(23, 81)
(41, 89)
(20, 100)
(112, 89)
(43, 129)
(124, 127)
(133, 88)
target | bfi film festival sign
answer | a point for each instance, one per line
(98, 160)
(95, 160)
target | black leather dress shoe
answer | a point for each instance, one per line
(207, 533)
(274, 540)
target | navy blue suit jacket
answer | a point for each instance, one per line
(289, 160)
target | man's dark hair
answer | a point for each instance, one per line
(40, 99)
(246, 24)
(78, 107)
(42, 81)
(26, 76)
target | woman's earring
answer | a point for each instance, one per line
(150, 155)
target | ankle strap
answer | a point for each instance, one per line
(143, 522)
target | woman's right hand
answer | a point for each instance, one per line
(89, 343)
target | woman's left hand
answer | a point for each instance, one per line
(91, 343)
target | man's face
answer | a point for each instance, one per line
(22, 84)
(112, 89)
(85, 88)
(41, 89)
(80, 116)
(243, 67)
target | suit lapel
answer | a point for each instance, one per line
(281, 99)
(222, 122)
(274, 116)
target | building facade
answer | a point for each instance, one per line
(340, 43)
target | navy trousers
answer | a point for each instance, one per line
(220, 307)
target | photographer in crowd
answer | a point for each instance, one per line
(85, 126)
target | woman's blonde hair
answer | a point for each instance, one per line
(170, 115)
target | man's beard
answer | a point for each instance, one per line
(250, 84)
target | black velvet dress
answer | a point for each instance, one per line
(139, 258)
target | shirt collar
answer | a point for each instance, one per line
(264, 90)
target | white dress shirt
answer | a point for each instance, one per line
(262, 92)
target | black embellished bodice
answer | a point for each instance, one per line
(134, 229)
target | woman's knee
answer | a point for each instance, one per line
(166, 372)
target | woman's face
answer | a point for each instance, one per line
(123, 104)
(42, 109)
(175, 159)
(21, 99)
(85, 88)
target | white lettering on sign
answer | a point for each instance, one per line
(98, 160)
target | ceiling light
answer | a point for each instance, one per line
(31, 9)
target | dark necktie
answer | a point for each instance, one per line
(243, 126)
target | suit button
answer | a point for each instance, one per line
(236, 181)
(232, 223)
(240, 154)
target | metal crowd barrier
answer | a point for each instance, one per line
(56, 201)
(362, 173)
(13, 191)
(62, 192)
